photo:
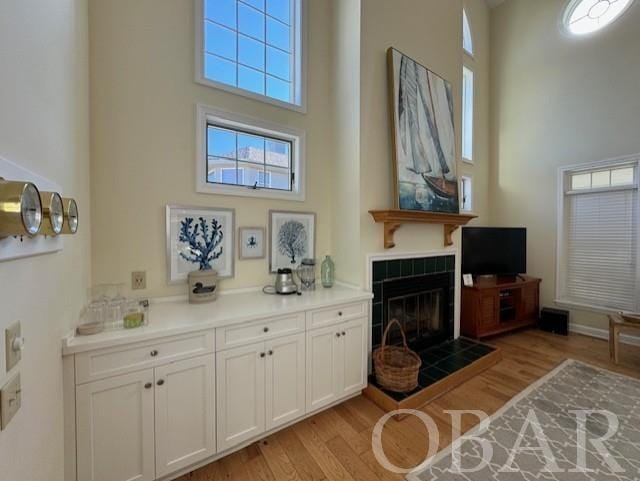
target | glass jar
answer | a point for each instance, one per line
(328, 272)
(307, 274)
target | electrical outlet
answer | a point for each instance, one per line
(10, 400)
(138, 280)
(13, 344)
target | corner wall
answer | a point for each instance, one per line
(556, 100)
(44, 120)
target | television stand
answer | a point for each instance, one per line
(494, 305)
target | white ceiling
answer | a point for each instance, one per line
(494, 3)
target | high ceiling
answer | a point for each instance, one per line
(494, 3)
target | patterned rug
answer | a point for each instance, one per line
(571, 386)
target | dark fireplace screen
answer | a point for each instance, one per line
(423, 307)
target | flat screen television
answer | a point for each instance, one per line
(494, 251)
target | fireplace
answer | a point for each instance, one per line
(419, 293)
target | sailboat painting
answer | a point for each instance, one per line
(423, 137)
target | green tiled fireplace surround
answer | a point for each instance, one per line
(394, 269)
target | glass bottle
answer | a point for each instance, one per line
(328, 272)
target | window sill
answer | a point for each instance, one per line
(586, 307)
(467, 161)
(218, 189)
(301, 109)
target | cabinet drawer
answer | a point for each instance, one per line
(103, 363)
(242, 334)
(331, 315)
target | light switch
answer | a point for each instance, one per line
(10, 400)
(13, 344)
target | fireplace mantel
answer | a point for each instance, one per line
(394, 218)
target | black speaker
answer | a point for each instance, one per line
(554, 320)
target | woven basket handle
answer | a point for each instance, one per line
(386, 332)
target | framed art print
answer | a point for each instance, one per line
(199, 238)
(423, 135)
(251, 242)
(291, 238)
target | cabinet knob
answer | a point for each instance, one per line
(148, 385)
(340, 313)
(160, 382)
(266, 329)
(337, 334)
(344, 333)
(262, 354)
(154, 353)
(270, 352)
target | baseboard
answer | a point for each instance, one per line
(603, 334)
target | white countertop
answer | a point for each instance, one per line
(179, 317)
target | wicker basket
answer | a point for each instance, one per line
(396, 367)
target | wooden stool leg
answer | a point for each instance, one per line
(611, 336)
(616, 344)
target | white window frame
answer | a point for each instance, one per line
(563, 183)
(299, 71)
(467, 159)
(466, 178)
(206, 115)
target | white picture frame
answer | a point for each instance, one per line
(251, 243)
(178, 267)
(301, 231)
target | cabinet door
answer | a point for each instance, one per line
(185, 415)
(240, 394)
(322, 367)
(352, 357)
(489, 311)
(115, 428)
(529, 306)
(285, 376)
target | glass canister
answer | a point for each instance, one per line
(328, 272)
(307, 274)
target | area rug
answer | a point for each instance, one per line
(571, 386)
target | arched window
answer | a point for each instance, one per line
(467, 41)
(587, 16)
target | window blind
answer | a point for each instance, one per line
(601, 262)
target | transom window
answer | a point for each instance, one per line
(467, 40)
(252, 47)
(582, 17)
(239, 155)
(598, 236)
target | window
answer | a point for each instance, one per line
(252, 47)
(466, 193)
(467, 41)
(598, 236)
(243, 156)
(582, 17)
(467, 114)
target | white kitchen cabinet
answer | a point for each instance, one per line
(335, 362)
(197, 382)
(285, 380)
(185, 413)
(240, 387)
(115, 428)
(353, 352)
(322, 367)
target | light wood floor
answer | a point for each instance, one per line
(336, 444)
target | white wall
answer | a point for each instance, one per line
(143, 148)
(429, 31)
(556, 101)
(43, 127)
